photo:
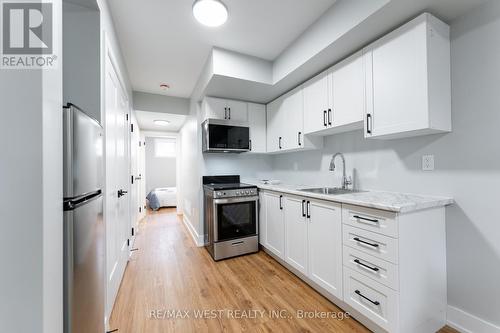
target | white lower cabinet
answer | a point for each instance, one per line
(389, 267)
(374, 300)
(395, 267)
(296, 231)
(325, 246)
(274, 224)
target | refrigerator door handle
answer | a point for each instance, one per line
(73, 203)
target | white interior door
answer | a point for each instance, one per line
(135, 180)
(116, 208)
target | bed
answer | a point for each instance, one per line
(162, 197)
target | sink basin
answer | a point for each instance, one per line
(328, 190)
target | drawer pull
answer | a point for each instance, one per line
(364, 242)
(375, 269)
(365, 218)
(369, 300)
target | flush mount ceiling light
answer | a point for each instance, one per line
(162, 122)
(211, 13)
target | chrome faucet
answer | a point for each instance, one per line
(345, 182)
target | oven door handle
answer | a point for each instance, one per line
(236, 200)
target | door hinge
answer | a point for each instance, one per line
(128, 242)
(131, 127)
(127, 116)
(140, 143)
(132, 231)
(132, 179)
(140, 209)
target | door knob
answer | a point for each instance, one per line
(121, 193)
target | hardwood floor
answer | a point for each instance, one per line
(169, 281)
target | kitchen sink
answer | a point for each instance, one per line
(328, 190)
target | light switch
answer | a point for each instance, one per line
(428, 162)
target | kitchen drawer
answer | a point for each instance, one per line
(377, 269)
(372, 299)
(378, 245)
(375, 220)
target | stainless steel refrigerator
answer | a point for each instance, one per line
(84, 232)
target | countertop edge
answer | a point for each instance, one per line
(433, 201)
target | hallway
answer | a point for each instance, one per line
(168, 275)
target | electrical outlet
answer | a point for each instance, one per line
(428, 162)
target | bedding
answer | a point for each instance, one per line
(162, 197)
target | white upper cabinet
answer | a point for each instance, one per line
(348, 94)
(408, 84)
(257, 123)
(237, 110)
(214, 108)
(334, 99)
(220, 108)
(285, 124)
(316, 103)
(274, 126)
(293, 120)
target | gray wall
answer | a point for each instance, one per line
(31, 196)
(82, 65)
(160, 103)
(160, 171)
(467, 164)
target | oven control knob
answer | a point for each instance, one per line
(237, 192)
(218, 194)
(247, 192)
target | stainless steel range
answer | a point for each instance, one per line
(231, 217)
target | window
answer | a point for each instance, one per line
(164, 147)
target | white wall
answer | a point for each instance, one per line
(189, 186)
(31, 164)
(467, 164)
(160, 171)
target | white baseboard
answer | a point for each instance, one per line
(468, 323)
(198, 240)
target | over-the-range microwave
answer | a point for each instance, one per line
(225, 136)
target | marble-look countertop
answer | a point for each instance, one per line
(391, 201)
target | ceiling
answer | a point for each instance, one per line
(146, 121)
(163, 43)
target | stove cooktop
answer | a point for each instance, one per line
(230, 186)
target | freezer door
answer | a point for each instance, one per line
(83, 153)
(84, 268)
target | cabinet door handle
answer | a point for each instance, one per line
(365, 242)
(324, 118)
(303, 208)
(365, 218)
(225, 113)
(279, 142)
(369, 300)
(298, 138)
(329, 116)
(229, 109)
(281, 202)
(308, 209)
(375, 269)
(369, 123)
